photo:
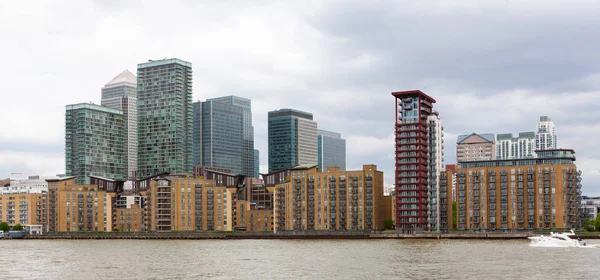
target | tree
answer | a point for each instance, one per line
(588, 224)
(596, 222)
(4, 226)
(454, 215)
(17, 227)
(388, 224)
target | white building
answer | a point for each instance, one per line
(545, 138)
(435, 165)
(121, 93)
(22, 185)
(509, 147)
(590, 206)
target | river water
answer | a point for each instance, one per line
(293, 259)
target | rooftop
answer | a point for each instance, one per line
(152, 63)
(412, 93)
(125, 77)
(486, 136)
(92, 106)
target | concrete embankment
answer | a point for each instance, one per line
(201, 236)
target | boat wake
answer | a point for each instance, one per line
(560, 240)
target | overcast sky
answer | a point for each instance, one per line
(493, 67)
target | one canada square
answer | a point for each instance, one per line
(165, 117)
(120, 93)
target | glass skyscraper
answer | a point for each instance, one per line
(332, 150)
(256, 164)
(121, 93)
(94, 142)
(292, 139)
(165, 117)
(224, 135)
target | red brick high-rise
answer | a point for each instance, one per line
(418, 151)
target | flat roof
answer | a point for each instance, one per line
(92, 106)
(152, 63)
(413, 92)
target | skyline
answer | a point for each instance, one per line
(359, 53)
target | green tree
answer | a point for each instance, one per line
(4, 226)
(17, 227)
(388, 224)
(454, 215)
(597, 222)
(589, 225)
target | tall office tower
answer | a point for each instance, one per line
(256, 164)
(226, 134)
(475, 147)
(197, 134)
(545, 138)
(509, 147)
(332, 150)
(165, 117)
(121, 93)
(95, 142)
(419, 154)
(292, 139)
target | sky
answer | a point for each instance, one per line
(493, 66)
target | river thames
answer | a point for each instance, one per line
(293, 259)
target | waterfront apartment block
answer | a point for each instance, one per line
(128, 213)
(419, 160)
(22, 208)
(307, 199)
(72, 207)
(165, 117)
(249, 218)
(536, 193)
(121, 93)
(292, 139)
(475, 147)
(332, 150)
(95, 142)
(182, 203)
(224, 135)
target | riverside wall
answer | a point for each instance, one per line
(289, 235)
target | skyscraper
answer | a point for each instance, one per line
(165, 117)
(256, 164)
(95, 142)
(418, 150)
(292, 139)
(545, 138)
(332, 150)
(121, 93)
(224, 135)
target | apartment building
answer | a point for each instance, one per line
(128, 213)
(72, 207)
(22, 208)
(475, 147)
(183, 203)
(307, 199)
(536, 193)
(418, 160)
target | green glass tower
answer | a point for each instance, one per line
(165, 116)
(95, 142)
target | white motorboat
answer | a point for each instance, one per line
(561, 239)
